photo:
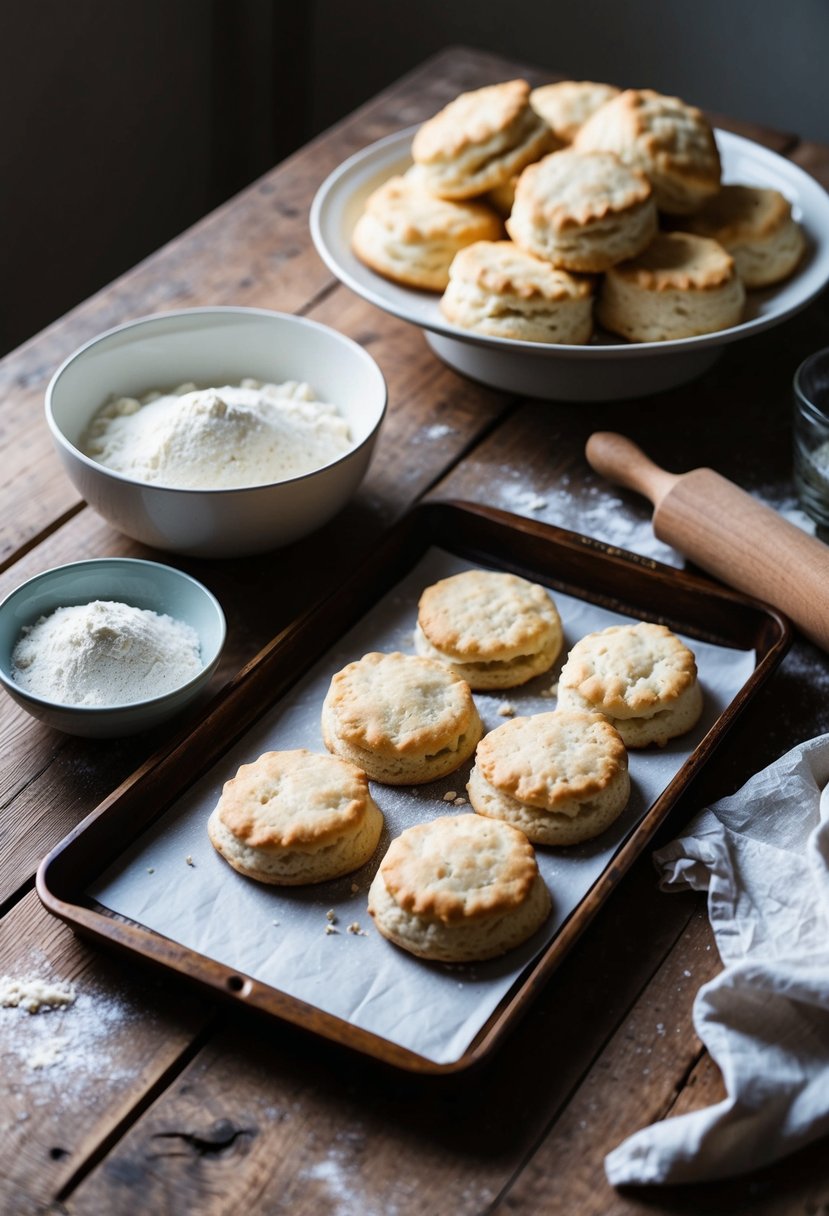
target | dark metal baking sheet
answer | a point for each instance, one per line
(269, 946)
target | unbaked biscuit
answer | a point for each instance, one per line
(756, 226)
(682, 285)
(296, 817)
(404, 719)
(496, 630)
(480, 140)
(411, 236)
(641, 677)
(670, 141)
(496, 288)
(583, 211)
(459, 889)
(567, 105)
(560, 777)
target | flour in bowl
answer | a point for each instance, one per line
(249, 434)
(105, 653)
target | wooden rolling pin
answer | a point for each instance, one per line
(726, 532)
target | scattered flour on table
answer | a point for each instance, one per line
(34, 995)
(337, 1176)
(248, 434)
(803, 667)
(105, 653)
(595, 512)
(592, 512)
(804, 676)
(71, 1043)
(438, 430)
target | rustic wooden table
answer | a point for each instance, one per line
(160, 1102)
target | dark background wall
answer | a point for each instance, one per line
(765, 61)
(123, 123)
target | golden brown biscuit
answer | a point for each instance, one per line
(498, 289)
(480, 140)
(566, 105)
(411, 236)
(583, 211)
(459, 888)
(502, 198)
(670, 141)
(641, 677)
(560, 777)
(405, 720)
(682, 285)
(496, 630)
(296, 817)
(755, 225)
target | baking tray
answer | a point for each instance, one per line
(148, 807)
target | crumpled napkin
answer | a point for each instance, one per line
(763, 857)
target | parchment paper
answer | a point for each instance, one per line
(277, 935)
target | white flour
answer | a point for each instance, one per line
(105, 653)
(80, 1039)
(218, 438)
(34, 994)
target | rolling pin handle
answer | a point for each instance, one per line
(621, 461)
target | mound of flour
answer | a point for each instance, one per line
(105, 653)
(218, 438)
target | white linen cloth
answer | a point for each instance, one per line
(763, 857)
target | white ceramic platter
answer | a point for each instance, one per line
(606, 369)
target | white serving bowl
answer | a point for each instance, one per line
(212, 347)
(140, 584)
(607, 369)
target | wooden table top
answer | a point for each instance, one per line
(162, 1102)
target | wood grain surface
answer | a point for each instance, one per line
(154, 1101)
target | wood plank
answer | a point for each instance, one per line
(52, 780)
(299, 1125)
(255, 251)
(632, 1084)
(22, 1204)
(71, 1076)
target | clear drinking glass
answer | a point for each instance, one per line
(811, 436)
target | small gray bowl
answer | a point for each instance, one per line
(141, 584)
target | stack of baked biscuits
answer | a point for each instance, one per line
(538, 213)
(462, 886)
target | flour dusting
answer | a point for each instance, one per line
(438, 430)
(34, 995)
(597, 512)
(592, 512)
(55, 1057)
(338, 1175)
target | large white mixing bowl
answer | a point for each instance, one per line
(213, 347)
